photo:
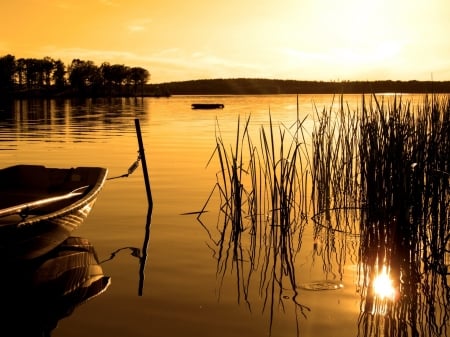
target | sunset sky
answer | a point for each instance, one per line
(179, 40)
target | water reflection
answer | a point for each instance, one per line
(262, 217)
(418, 303)
(383, 161)
(60, 120)
(336, 240)
(404, 291)
(380, 202)
(405, 222)
(260, 256)
(140, 254)
(36, 294)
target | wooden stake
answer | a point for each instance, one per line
(143, 258)
(144, 163)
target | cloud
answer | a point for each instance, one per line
(177, 64)
(136, 28)
(200, 64)
(138, 25)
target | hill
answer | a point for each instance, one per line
(255, 86)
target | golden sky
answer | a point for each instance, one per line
(177, 40)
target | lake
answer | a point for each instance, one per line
(192, 285)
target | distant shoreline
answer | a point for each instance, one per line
(242, 86)
(249, 86)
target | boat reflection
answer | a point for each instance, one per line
(36, 294)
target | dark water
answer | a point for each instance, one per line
(186, 292)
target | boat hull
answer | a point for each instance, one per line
(35, 235)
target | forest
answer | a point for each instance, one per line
(259, 86)
(46, 77)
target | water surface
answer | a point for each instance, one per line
(185, 292)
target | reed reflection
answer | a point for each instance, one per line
(380, 200)
(36, 294)
(263, 207)
(336, 242)
(393, 161)
(405, 227)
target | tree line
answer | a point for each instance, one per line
(261, 86)
(32, 77)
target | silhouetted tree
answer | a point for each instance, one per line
(21, 73)
(83, 75)
(105, 70)
(115, 76)
(7, 71)
(59, 73)
(119, 75)
(139, 76)
(33, 73)
(47, 76)
(46, 67)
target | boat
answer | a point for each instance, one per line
(207, 106)
(37, 294)
(40, 207)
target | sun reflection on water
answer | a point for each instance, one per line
(383, 287)
(382, 293)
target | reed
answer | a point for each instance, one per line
(335, 168)
(262, 193)
(405, 184)
(389, 162)
(379, 173)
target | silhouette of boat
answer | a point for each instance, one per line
(37, 293)
(40, 206)
(207, 106)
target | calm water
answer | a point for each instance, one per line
(186, 292)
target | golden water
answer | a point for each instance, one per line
(182, 294)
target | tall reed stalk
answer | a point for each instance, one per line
(403, 193)
(263, 194)
(388, 162)
(335, 174)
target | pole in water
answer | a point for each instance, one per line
(143, 258)
(144, 162)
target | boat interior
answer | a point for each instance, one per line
(22, 184)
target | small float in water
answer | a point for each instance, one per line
(207, 106)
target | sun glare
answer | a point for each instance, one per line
(382, 285)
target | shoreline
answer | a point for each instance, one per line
(239, 86)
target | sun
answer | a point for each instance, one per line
(358, 38)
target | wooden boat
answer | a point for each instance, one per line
(37, 294)
(207, 106)
(40, 207)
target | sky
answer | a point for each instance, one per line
(178, 40)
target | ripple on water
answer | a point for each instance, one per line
(321, 285)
